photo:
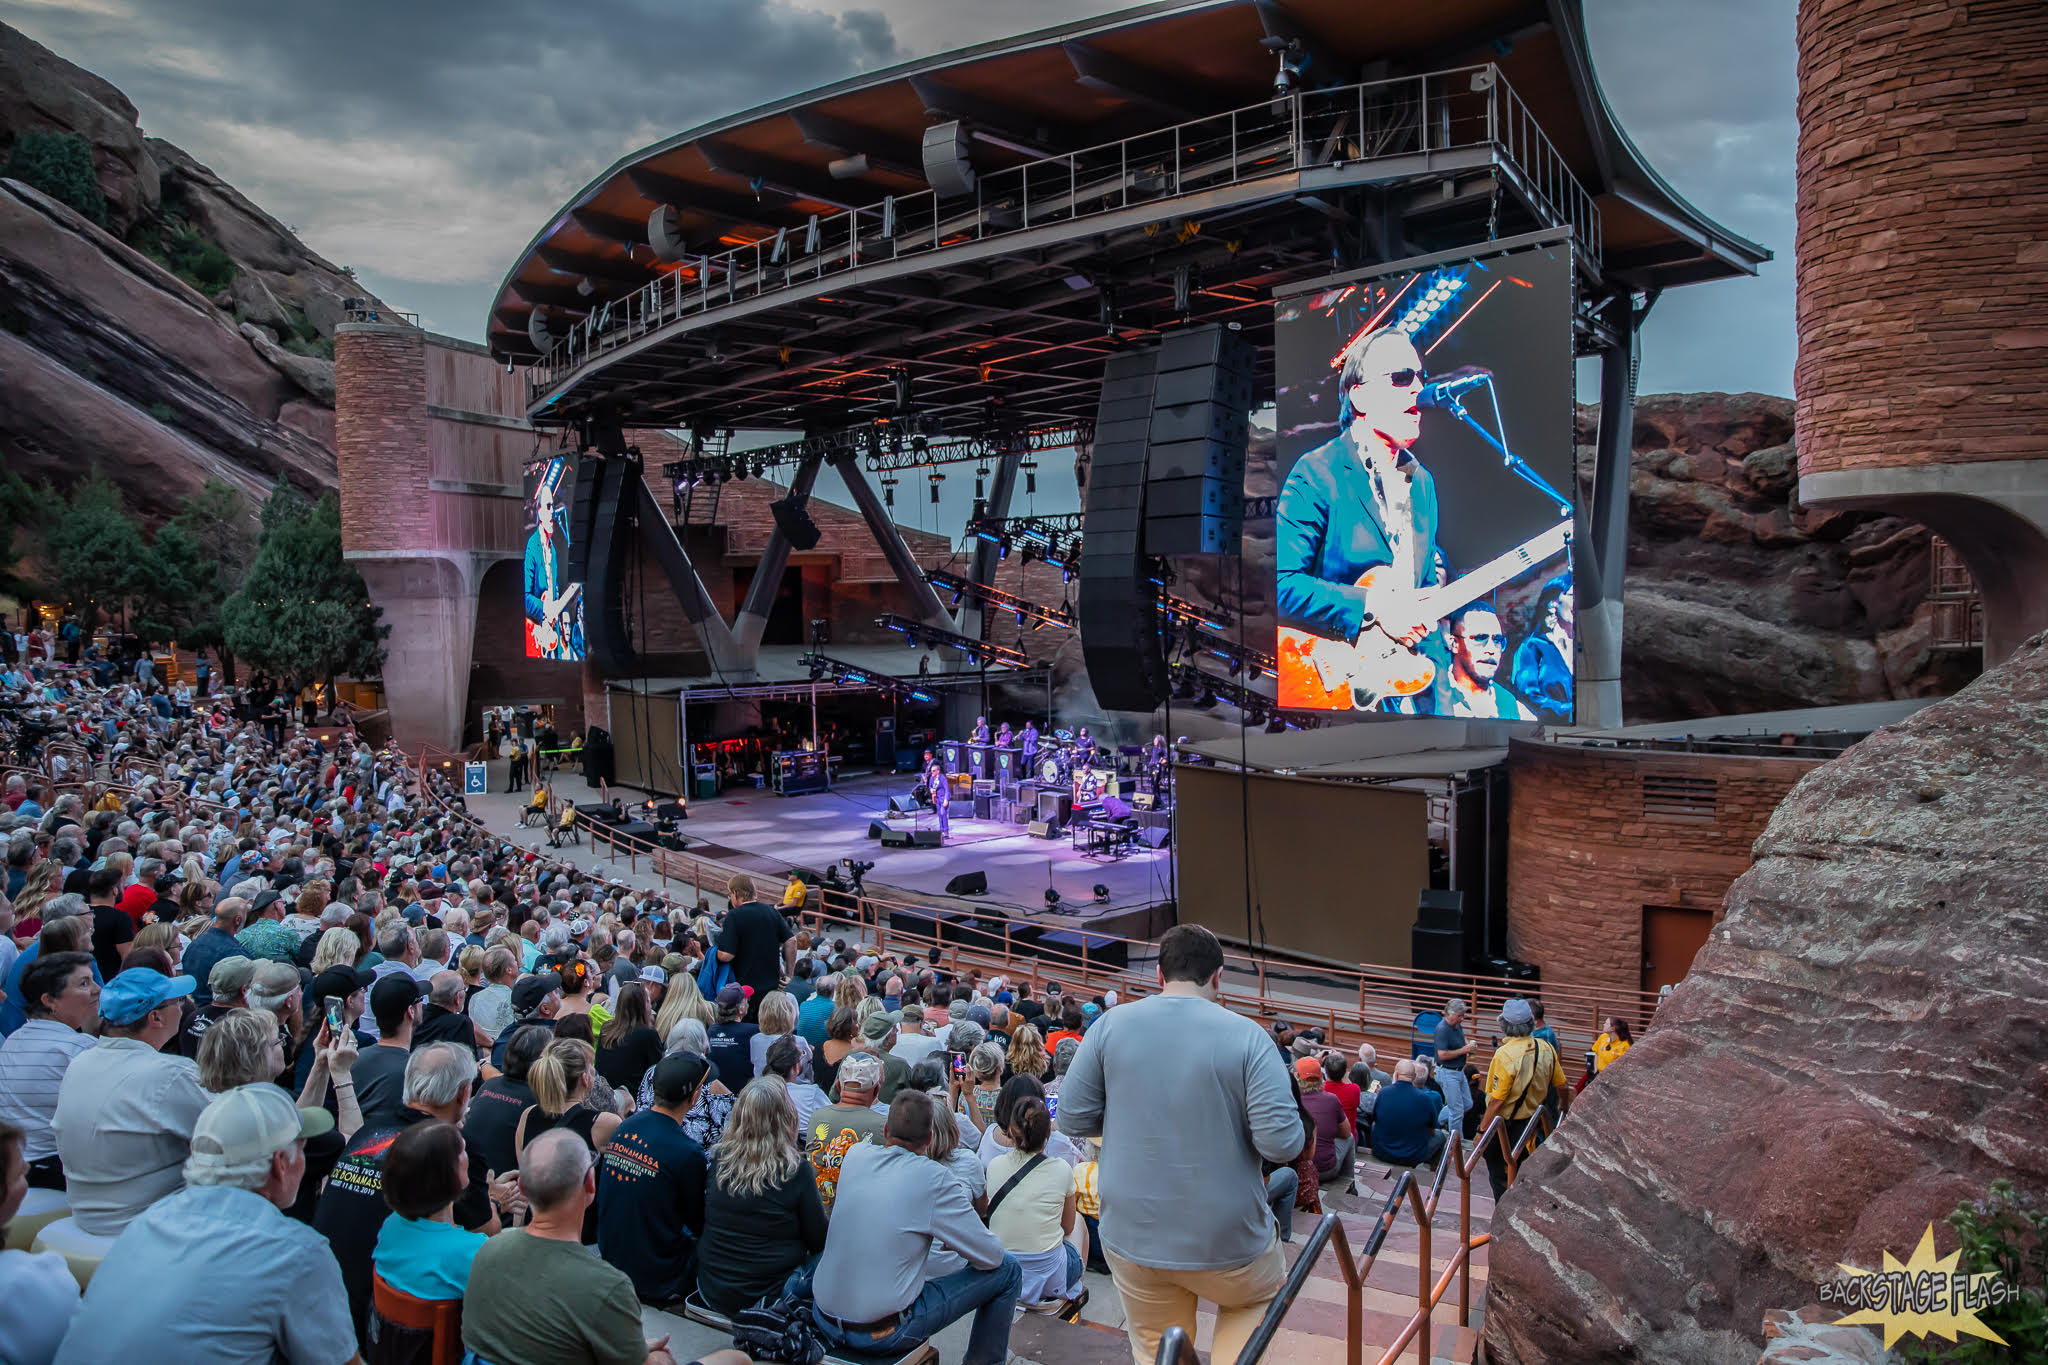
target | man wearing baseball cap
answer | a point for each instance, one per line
(535, 1000)
(125, 1110)
(157, 1295)
(380, 1071)
(1525, 1071)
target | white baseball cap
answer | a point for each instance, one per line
(250, 1123)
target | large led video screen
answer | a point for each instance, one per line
(554, 606)
(1425, 457)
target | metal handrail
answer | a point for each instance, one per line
(1407, 116)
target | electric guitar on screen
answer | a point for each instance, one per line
(547, 632)
(1318, 673)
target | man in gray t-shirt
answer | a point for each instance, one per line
(1187, 1097)
(1451, 1052)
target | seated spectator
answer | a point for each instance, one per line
(217, 941)
(842, 1036)
(438, 1081)
(491, 1008)
(835, 1128)
(1031, 1207)
(563, 1078)
(714, 1102)
(869, 1292)
(877, 1038)
(62, 1000)
(421, 1249)
(627, 1045)
(443, 1020)
(125, 1110)
(493, 1117)
(913, 1044)
(159, 1293)
(815, 1009)
(535, 1296)
(785, 1062)
(650, 1188)
(535, 1000)
(978, 1085)
(40, 1293)
(732, 1039)
(762, 1214)
(1404, 1121)
(380, 1070)
(1326, 1111)
(995, 1139)
(228, 987)
(265, 936)
(777, 1019)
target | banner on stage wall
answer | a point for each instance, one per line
(554, 605)
(1425, 451)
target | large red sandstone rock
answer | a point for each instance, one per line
(1862, 1045)
(40, 90)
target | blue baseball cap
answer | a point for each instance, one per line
(137, 991)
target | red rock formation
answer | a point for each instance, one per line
(1862, 1045)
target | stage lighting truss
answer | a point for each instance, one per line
(1192, 686)
(975, 651)
(1054, 539)
(965, 589)
(825, 668)
(884, 445)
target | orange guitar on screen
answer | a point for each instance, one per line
(1321, 674)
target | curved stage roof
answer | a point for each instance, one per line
(991, 222)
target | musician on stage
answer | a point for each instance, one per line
(1362, 501)
(980, 735)
(1030, 745)
(941, 790)
(1084, 747)
(1003, 740)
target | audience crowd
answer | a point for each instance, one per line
(277, 1004)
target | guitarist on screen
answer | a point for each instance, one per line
(1359, 503)
(553, 631)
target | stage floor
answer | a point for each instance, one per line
(817, 830)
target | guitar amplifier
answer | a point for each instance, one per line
(984, 805)
(984, 786)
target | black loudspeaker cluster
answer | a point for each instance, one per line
(612, 543)
(1437, 942)
(1118, 607)
(1194, 468)
(582, 517)
(793, 518)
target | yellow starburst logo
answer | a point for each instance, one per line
(1923, 1295)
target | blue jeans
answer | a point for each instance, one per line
(1281, 1187)
(991, 1295)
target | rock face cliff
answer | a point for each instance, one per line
(1862, 1045)
(188, 338)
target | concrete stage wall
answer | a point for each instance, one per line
(1335, 867)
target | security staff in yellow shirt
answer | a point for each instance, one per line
(1525, 1071)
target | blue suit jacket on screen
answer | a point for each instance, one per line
(1327, 533)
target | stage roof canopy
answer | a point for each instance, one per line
(1407, 746)
(991, 222)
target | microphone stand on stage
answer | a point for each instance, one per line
(1450, 401)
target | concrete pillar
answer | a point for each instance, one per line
(1922, 379)
(429, 601)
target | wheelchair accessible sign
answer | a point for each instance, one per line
(475, 780)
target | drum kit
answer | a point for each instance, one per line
(1059, 753)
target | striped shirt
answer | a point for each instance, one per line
(33, 1060)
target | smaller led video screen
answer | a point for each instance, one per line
(1422, 554)
(554, 606)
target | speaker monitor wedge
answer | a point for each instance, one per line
(877, 830)
(924, 838)
(968, 884)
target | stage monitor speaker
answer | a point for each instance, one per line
(794, 521)
(1435, 909)
(1043, 829)
(877, 830)
(1155, 836)
(1118, 604)
(896, 838)
(635, 829)
(924, 838)
(902, 805)
(1436, 950)
(1055, 806)
(598, 812)
(968, 884)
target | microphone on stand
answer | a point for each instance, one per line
(1445, 392)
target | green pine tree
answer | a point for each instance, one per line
(303, 613)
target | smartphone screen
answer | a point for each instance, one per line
(959, 1063)
(334, 1021)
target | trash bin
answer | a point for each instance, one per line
(707, 781)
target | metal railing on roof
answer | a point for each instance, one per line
(1409, 119)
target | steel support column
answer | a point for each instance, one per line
(1600, 559)
(683, 579)
(924, 603)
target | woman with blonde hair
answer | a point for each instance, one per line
(848, 992)
(196, 896)
(762, 1214)
(977, 1088)
(1027, 1054)
(683, 1001)
(562, 1078)
(164, 938)
(338, 947)
(44, 879)
(778, 1020)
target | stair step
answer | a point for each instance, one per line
(1048, 1341)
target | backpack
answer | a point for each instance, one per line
(779, 1331)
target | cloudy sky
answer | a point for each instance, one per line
(424, 141)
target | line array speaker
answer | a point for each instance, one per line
(1118, 607)
(1196, 441)
(793, 519)
(612, 542)
(582, 519)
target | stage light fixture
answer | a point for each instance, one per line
(1101, 894)
(1235, 667)
(1276, 726)
(1207, 699)
(1252, 672)
(1020, 616)
(1052, 896)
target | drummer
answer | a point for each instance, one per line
(1084, 747)
(1030, 743)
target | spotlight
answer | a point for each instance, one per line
(1052, 896)
(1253, 672)
(1003, 548)
(1277, 725)
(1236, 666)
(1020, 616)
(1101, 894)
(1207, 699)
(910, 638)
